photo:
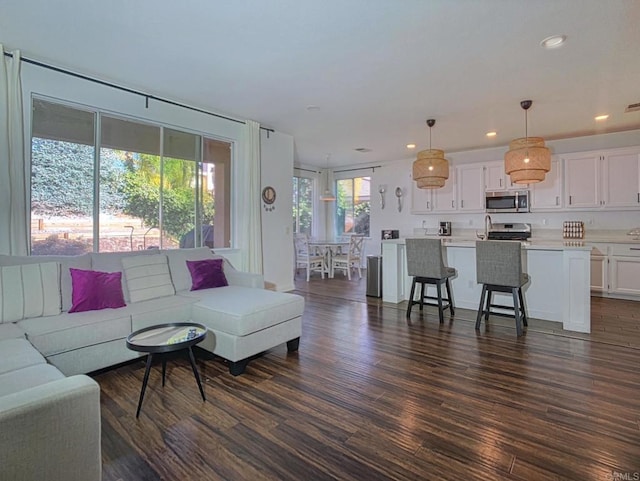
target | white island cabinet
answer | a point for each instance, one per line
(559, 289)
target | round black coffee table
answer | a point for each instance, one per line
(163, 339)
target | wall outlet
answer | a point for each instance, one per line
(470, 221)
(545, 221)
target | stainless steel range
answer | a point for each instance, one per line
(514, 231)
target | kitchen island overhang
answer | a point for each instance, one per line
(559, 289)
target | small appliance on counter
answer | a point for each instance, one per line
(514, 231)
(390, 234)
(444, 229)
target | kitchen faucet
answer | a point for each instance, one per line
(487, 225)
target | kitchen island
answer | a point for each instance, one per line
(559, 289)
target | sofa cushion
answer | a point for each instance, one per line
(10, 330)
(29, 290)
(112, 262)
(95, 290)
(206, 274)
(18, 353)
(66, 262)
(178, 264)
(160, 311)
(66, 332)
(28, 377)
(242, 310)
(147, 277)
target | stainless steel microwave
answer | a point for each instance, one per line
(507, 201)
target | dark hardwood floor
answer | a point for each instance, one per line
(372, 396)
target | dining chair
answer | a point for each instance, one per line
(352, 259)
(426, 264)
(499, 269)
(307, 259)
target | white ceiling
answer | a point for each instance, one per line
(377, 69)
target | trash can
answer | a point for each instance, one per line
(374, 276)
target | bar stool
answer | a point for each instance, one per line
(499, 269)
(425, 264)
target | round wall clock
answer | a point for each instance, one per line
(269, 195)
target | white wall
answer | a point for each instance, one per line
(276, 151)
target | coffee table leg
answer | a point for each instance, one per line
(144, 383)
(164, 368)
(195, 372)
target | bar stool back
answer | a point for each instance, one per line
(426, 265)
(499, 269)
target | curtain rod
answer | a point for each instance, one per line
(373, 168)
(305, 170)
(147, 97)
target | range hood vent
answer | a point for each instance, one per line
(632, 108)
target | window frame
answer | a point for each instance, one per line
(98, 113)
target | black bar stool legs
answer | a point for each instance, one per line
(441, 302)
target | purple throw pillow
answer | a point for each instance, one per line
(94, 290)
(206, 273)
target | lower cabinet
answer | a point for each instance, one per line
(615, 269)
(599, 281)
(624, 269)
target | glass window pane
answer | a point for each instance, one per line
(302, 205)
(216, 192)
(353, 206)
(62, 165)
(129, 185)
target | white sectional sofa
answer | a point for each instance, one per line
(41, 343)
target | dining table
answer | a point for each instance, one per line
(329, 248)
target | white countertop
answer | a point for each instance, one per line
(532, 244)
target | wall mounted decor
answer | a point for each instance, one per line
(269, 197)
(382, 190)
(399, 196)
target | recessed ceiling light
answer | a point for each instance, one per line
(313, 108)
(411, 146)
(554, 41)
(491, 134)
(602, 117)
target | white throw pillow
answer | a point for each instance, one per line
(29, 290)
(147, 277)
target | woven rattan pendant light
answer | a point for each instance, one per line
(430, 169)
(528, 160)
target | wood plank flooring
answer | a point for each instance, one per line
(372, 396)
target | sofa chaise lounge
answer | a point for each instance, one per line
(46, 400)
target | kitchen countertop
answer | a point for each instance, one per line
(532, 244)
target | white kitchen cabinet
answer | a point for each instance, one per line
(421, 200)
(470, 180)
(494, 176)
(547, 195)
(444, 198)
(496, 179)
(599, 268)
(606, 179)
(621, 178)
(624, 269)
(582, 180)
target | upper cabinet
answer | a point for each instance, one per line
(444, 198)
(609, 179)
(420, 200)
(547, 195)
(470, 183)
(495, 178)
(621, 178)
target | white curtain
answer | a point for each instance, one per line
(249, 203)
(14, 234)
